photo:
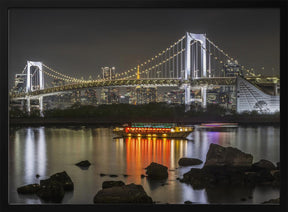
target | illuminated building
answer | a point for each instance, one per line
(250, 98)
(145, 95)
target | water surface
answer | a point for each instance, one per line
(48, 150)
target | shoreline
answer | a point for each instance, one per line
(111, 122)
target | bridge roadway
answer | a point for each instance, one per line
(203, 81)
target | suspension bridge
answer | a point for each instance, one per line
(192, 61)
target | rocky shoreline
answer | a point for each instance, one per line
(224, 166)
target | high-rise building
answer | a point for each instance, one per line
(145, 95)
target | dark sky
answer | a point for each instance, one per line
(78, 42)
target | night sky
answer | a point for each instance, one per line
(78, 42)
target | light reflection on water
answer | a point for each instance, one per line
(46, 150)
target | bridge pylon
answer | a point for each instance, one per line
(34, 81)
(191, 74)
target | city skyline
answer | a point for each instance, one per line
(78, 42)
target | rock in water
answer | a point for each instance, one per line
(84, 163)
(272, 201)
(64, 179)
(263, 164)
(28, 189)
(227, 156)
(189, 161)
(131, 193)
(51, 191)
(157, 171)
(110, 184)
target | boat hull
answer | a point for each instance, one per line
(157, 135)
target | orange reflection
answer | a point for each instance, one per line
(140, 152)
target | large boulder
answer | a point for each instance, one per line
(28, 189)
(272, 201)
(51, 191)
(110, 184)
(230, 166)
(227, 156)
(189, 161)
(198, 178)
(156, 171)
(263, 164)
(131, 193)
(276, 177)
(64, 179)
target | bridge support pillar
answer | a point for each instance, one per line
(187, 96)
(202, 39)
(203, 96)
(28, 106)
(276, 86)
(41, 106)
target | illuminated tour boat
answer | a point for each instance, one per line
(160, 130)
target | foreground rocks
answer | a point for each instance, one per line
(130, 193)
(50, 190)
(110, 184)
(272, 201)
(189, 161)
(28, 189)
(230, 166)
(227, 156)
(156, 171)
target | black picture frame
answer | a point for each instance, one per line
(8, 4)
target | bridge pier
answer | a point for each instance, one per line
(203, 96)
(41, 106)
(187, 96)
(28, 106)
(276, 87)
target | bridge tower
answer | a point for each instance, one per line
(189, 73)
(34, 81)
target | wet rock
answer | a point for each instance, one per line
(276, 175)
(188, 202)
(51, 191)
(272, 201)
(84, 163)
(263, 164)
(198, 178)
(189, 161)
(227, 156)
(64, 179)
(156, 171)
(278, 165)
(110, 184)
(250, 178)
(28, 189)
(131, 193)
